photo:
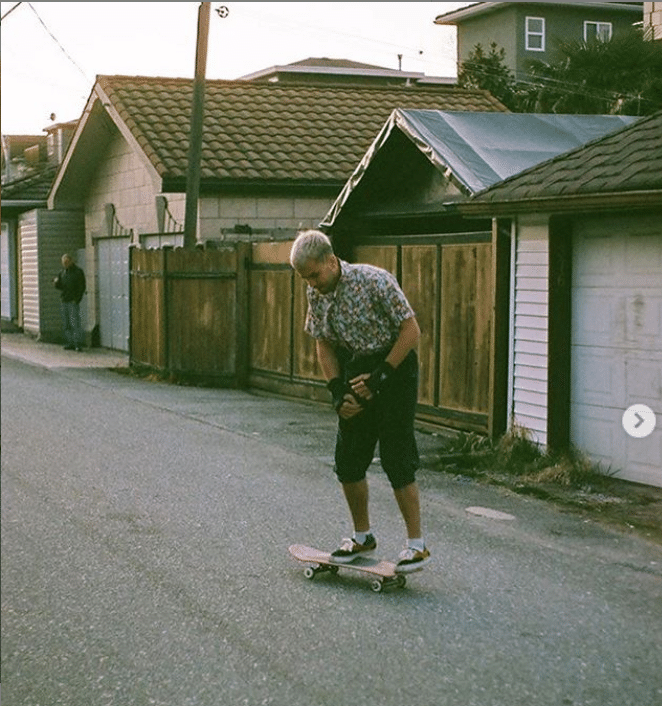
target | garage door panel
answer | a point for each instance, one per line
(113, 292)
(595, 261)
(594, 316)
(598, 377)
(644, 381)
(643, 317)
(642, 260)
(638, 453)
(594, 431)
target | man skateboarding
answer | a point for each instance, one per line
(366, 337)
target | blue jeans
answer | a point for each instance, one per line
(73, 331)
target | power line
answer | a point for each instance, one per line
(55, 39)
(565, 87)
(10, 10)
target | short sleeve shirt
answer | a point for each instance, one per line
(364, 312)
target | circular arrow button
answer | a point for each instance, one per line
(639, 421)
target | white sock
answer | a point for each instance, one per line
(360, 537)
(418, 544)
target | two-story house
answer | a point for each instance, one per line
(532, 30)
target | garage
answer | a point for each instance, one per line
(616, 350)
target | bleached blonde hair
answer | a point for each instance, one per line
(310, 245)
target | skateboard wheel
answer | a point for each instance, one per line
(377, 586)
(309, 572)
(333, 570)
(402, 581)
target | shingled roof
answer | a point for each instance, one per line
(30, 190)
(627, 162)
(268, 134)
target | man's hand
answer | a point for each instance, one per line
(360, 389)
(344, 400)
(350, 407)
(367, 385)
(338, 389)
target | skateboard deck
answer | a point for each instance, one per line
(318, 562)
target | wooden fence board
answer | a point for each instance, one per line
(270, 320)
(465, 327)
(147, 337)
(304, 348)
(419, 283)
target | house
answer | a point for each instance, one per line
(342, 71)
(274, 157)
(585, 283)
(399, 210)
(29, 167)
(532, 30)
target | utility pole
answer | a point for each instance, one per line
(195, 138)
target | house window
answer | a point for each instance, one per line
(600, 31)
(535, 34)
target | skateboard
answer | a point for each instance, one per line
(322, 562)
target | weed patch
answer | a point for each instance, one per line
(518, 457)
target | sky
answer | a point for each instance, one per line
(51, 52)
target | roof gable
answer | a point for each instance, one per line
(475, 150)
(261, 134)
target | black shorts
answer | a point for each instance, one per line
(388, 419)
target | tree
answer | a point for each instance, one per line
(489, 72)
(622, 76)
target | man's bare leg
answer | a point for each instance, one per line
(356, 495)
(410, 507)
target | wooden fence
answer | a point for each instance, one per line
(236, 316)
(188, 312)
(447, 279)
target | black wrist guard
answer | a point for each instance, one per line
(337, 388)
(378, 376)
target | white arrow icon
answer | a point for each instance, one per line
(639, 421)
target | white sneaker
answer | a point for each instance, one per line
(412, 560)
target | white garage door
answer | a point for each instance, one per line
(617, 342)
(113, 287)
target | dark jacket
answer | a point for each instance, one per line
(71, 282)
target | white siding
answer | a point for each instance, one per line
(530, 326)
(45, 236)
(27, 233)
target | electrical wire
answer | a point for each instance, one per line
(383, 47)
(10, 10)
(55, 39)
(563, 87)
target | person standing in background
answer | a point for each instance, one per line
(71, 283)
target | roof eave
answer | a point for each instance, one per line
(481, 8)
(27, 205)
(177, 184)
(650, 198)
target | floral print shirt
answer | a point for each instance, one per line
(364, 312)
